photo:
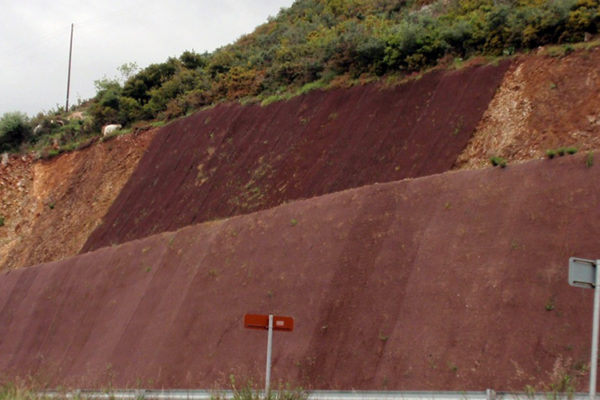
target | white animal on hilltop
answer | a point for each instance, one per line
(108, 129)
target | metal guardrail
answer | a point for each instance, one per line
(149, 394)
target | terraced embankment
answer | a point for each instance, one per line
(50, 207)
(235, 159)
(453, 281)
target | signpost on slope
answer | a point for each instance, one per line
(584, 274)
(271, 323)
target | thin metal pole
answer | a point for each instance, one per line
(69, 74)
(594, 362)
(269, 344)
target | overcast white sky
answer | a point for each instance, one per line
(34, 41)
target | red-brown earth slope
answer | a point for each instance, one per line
(453, 281)
(235, 159)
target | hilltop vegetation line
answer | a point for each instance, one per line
(312, 44)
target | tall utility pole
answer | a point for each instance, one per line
(69, 75)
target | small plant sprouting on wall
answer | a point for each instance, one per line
(1, 220)
(589, 159)
(498, 162)
(293, 222)
(561, 151)
(453, 367)
(571, 150)
(550, 304)
(383, 337)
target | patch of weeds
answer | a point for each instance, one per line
(559, 51)
(589, 159)
(498, 162)
(11, 391)
(332, 116)
(50, 154)
(552, 86)
(274, 98)
(312, 86)
(447, 205)
(564, 384)
(148, 269)
(550, 304)
(293, 222)
(568, 49)
(51, 205)
(212, 273)
(581, 366)
(561, 151)
(158, 124)
(530, 391)
(1, 220)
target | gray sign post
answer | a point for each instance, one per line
(583, 273)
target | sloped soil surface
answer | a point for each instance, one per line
(51, 207)
(449, 282)
(235, 159)
(545, 102)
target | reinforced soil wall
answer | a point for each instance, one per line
(235, 159)
(454, 281)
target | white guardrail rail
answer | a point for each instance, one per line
(142, 394)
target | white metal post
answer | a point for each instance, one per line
(269, 344)
(69, 73)
(594, 362)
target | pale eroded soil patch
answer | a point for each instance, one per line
(51, 207)
(543, 103)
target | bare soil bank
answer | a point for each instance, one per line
(51, 207)
(235, 159)
(450, 282)
(544, 103)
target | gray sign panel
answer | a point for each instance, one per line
(582, 272)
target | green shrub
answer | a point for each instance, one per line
(551, 153)
(1, 220)
(498, 161)
(571, 150)
(14, 130)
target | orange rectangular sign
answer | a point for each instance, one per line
(258, 321)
